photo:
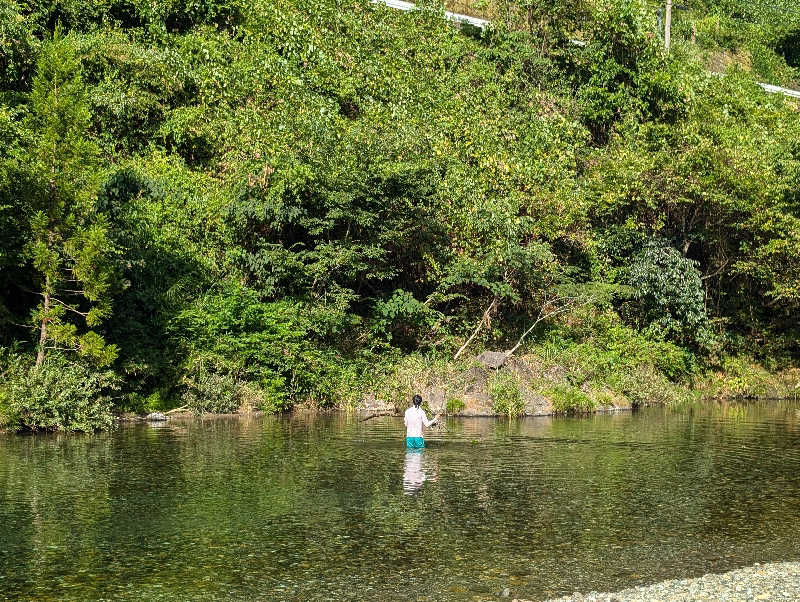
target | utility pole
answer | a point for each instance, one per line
(668, 25)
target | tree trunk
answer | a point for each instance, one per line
(45, 319)
(485, 318)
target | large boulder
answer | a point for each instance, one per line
(474, 380)
(492, 359)
(436, 398)
(477, 404)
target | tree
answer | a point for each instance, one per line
(669, 294)
(69, 245)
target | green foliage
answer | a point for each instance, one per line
(294, 194)
(402, 317)
(264, 343)
(145, 404)
(645, 385)
(569, 399)
(505, 393)
(208, 391)
(398, 378)
(623, 74)
(454, 405)
(18, 48)
(58, 395)
(69, 245)
(741, 377)
(170, 16)
(166, 224)
(600, 359)
(669, 297)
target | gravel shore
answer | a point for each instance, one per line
(775, 581)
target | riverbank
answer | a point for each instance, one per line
(774, 581)
(493, 384)
(543, 383)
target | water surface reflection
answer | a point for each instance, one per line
(418, 469)
(325, 507)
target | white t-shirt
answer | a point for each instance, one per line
(414, 419)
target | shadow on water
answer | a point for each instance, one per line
(325, 507)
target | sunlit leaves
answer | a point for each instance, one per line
(69, 245)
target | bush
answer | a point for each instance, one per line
(268, 396)
(209, 391)
(566, 398)
(670, 302)
(59, 395)
(397, 379)
(741, 377)
(603, 398)
(8, 416)
(455, 405)
(138, 403)
(504, 391)
(645, 385)
(266, 345)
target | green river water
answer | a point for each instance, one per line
(324, 507)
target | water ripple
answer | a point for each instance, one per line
(326, 507)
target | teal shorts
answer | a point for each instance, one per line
(415, 442)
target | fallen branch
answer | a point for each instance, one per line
(377, 414)
(180, 409)
(486, 318)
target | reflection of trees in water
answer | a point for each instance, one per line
(53, 498)
(292, 499)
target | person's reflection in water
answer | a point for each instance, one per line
(414, 474)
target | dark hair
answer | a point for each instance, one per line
(417, 400)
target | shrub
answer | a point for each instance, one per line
(265, 344)
(454, 405)
(603, 398)
(209, 391)
(397, 380)
(59, 395)
(669, 295)
(504, 391)
(401, 317)
(566, 398)
(137, 403)
(339, 381)
(644, 384)
(8, 416)
(268, 396)
(741, 377)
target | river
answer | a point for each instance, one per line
(315, 506)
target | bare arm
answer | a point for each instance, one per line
(429, 422)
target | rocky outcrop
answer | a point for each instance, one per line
(492, 359)
(468, 393)
(374, 407)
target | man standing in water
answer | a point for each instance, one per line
(415, 418)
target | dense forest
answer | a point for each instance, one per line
(266, 202)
